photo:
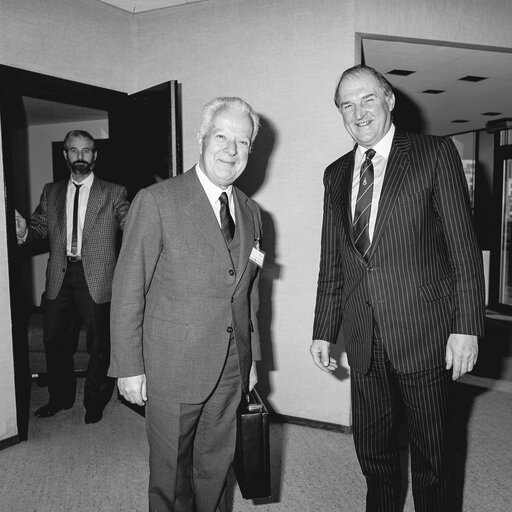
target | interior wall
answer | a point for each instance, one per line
(283, 58)
(8, 427)
(458, 21)
(79, 40)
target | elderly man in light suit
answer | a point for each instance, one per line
(185, 299)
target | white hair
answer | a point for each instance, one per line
(213, 107)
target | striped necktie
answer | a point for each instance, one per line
(227, 225)
(361, 225)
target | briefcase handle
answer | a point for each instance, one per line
(254, 402)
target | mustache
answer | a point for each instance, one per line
(80, 166)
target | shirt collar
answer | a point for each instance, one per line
(87, 182)
(383, 147)
(212, 191)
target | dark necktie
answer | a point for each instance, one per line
(226, 221)
(74, 235)
(361, 225)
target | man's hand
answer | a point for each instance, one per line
(461, 354)
(253, 376)
(21, 224)
(320, 353)
(133, 389)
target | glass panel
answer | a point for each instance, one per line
(466, 146)
(505, 137)
(506, 236)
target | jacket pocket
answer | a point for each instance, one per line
(165, 329)
(436, 290)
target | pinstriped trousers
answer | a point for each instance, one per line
(379, 399)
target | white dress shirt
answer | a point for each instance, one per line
(380, 161)
(83, 197)
(213, 192)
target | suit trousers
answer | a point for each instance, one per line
(379, 400)
(191, 446)
(62, 318)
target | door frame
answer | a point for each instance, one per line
(501, 153)
(14, 83)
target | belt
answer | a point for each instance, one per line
(74, 259)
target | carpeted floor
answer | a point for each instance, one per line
(68, 466)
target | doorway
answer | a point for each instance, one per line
(36, 112)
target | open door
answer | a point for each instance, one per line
(145, 143)
(151, 124)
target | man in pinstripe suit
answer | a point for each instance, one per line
(81, 217)
(409, 303)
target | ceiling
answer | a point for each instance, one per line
(37, 111)
(135, 6)
(462, 105)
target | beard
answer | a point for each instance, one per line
(81, 167)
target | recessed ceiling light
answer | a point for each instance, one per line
(491, 114)
(472, 78)
(460, 121)
(400, 72)
(432, 91)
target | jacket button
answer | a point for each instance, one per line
(229, 329)
(368, 303)
(232, 299)
(231, 272)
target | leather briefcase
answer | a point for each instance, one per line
(252, 455)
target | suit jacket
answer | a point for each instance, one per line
(423, 278)
(106, 212)
(177, 295)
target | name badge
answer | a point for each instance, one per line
(257, 256)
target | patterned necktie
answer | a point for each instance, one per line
(361, 223)
(74, 235)
(227, 225)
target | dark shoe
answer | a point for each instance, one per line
(49, 410)
(93, 416)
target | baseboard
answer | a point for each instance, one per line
(324, 425)
(486, 382)
(274, 417)
(10, 441)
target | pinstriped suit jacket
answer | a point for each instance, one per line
(176, 291)
(423, 279)
(105, 215)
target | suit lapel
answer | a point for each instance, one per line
(245, 225)
(397, 168)
(198, 208)
(345, 193)
(60, 207)
(93, 207)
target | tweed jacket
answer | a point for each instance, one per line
(106, 212)
(177, 295)
(423, 277)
